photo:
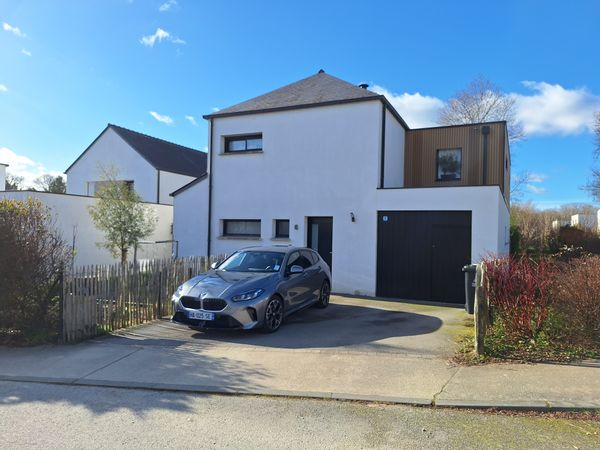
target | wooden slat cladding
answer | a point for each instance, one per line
(422, 146)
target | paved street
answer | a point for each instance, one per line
(80, 417)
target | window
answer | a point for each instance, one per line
(94, 186)
(243, 228)
(449, 164)
(296, 259)
(282, 228)
(253, 261)
(250, 143)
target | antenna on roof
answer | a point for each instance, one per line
(321, 71)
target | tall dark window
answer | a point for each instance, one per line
(449, 164)
(249, 143)
(282, 228)
(242, 228)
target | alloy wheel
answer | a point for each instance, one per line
(274, 314)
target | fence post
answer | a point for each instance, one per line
(481, 310)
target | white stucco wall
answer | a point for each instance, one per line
(170, 182)
(190, 219)
(73, 220)
(586, 221)
(111, 150)
(394, 152)
(316, 162)
(2, 176)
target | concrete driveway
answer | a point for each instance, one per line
(348, 324)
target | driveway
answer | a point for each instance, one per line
(348, 324)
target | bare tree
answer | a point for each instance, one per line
(593, 185)
(482, 101)
(518, 184)
(14, 182)
(50, 183)
(121, 214)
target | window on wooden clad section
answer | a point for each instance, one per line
(242, 228)
(449, 164)
(248, 143)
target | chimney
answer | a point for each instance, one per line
(363, 85)
(3, 176)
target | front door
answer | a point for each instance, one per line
(320, 237)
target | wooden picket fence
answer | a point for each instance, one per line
(101, 299)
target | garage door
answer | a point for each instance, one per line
(420, 254)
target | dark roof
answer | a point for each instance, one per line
(161, 154)
(314, 90)
(185, 187)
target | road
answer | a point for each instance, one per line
(59, 416)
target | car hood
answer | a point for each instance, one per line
(221, 284)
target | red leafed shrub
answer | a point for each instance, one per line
(518, 290)
(577, 299)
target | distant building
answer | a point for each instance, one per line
(585, 221)
(559, 223)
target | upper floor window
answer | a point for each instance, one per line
(248, 143)
(241, 228)
(449, 164)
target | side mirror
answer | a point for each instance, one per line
(214, 265)
(296, 269)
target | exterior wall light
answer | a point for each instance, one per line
(352, 218)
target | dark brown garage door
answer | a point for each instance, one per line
(420, 254)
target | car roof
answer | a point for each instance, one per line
(275, 248)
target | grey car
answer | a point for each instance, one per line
(255, 287)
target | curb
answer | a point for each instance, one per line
(539, 405)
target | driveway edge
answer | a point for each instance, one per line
(541, 405)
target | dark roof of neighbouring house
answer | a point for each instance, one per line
(161, 154)
(317, 89)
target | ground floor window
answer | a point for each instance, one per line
(243, 228)
(282, 228)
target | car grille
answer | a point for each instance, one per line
(207, 304)
(213, 304)
(190, 302)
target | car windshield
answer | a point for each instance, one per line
(253, 261)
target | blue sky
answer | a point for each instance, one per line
(67, 68)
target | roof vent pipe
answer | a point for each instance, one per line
(363, 85)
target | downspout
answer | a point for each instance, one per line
(158, 186)
(382, 173)
(485, 130)
(210, 153)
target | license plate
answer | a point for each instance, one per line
(200, 315)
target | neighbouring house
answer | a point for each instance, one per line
(585, 221)
(152, 166)
(395, 211)
(557, 224)
(3, 176)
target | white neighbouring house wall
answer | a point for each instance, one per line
(3, 176)
(72, 219)
(170, 182)
(324, 161)
(584, 221)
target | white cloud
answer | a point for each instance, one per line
(14, 30)
(160, 35)
(3, 88)
(26, 52)
(191, 120)
(536, 189)
(537, 177)
(167, 6)
(22, 166)
(553, 109)
(162, 118)
(215, 109)
(417, 110)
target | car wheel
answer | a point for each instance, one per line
(324, 296)
(273, 315)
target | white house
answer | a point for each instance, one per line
(584, 221)
(323, 163)
(153, 166)
(3, 176)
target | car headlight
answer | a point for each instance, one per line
(250, 295)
